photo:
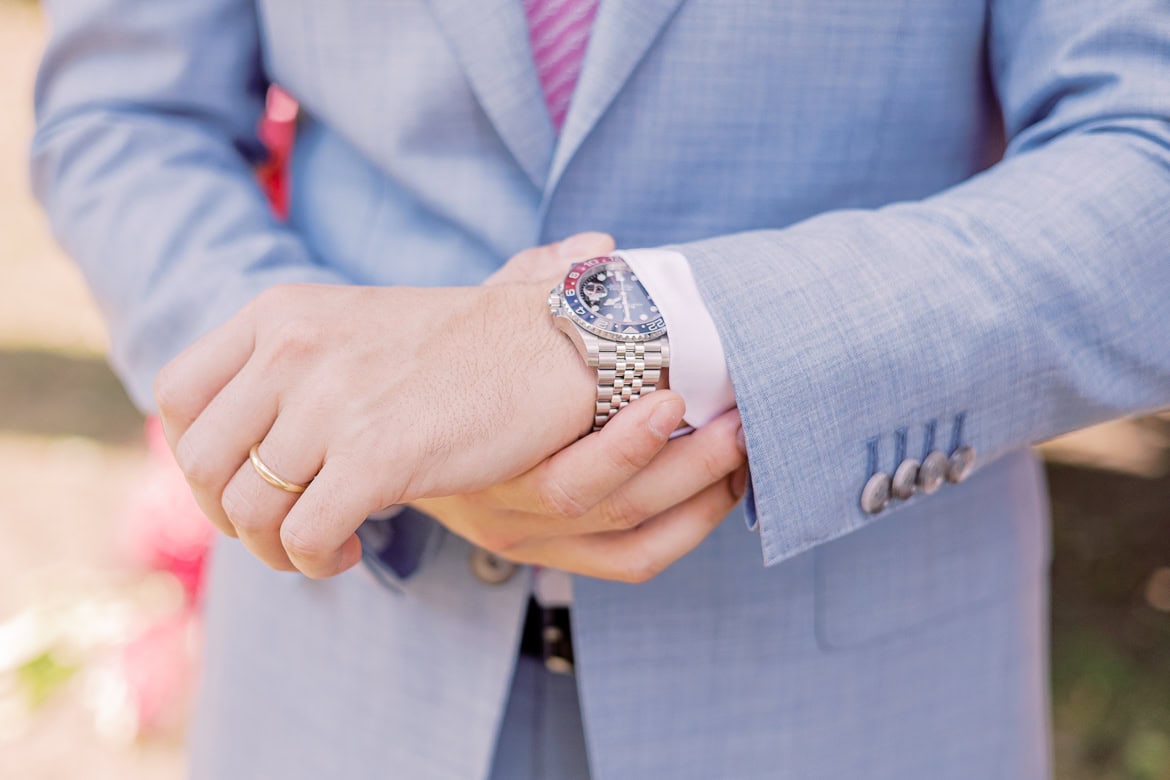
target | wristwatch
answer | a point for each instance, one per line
(617, 328)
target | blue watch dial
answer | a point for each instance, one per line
(606, 297)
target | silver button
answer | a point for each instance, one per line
(905, 479)
(490, 569)
(553, 661)
(933, 472)
(962, 462)
(875, 496)
(558, 665)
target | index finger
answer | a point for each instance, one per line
(577, 478)
(186, 385)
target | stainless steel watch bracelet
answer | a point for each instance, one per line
(625, 372)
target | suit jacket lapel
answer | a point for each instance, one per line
(490, 40)
(622, 34)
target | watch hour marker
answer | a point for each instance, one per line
(643, 317)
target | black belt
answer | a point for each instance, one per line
(548, 637)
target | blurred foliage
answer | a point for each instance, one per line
(43, 674)
(1111, 649)
(53, 394)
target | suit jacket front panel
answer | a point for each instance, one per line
(707, 138)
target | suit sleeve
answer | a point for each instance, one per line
(146, 135)
(1028, 301)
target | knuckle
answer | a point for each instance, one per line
(557, 501)
(242, 509)
(632, 459)
(193, 460)
(303, 547)
(272, 299)
(227, 529)
(639, 569)
(298, 337)
(524, 261)
(512, 537)
(509, 542)
(620, 512)
(168, 392)
(492, 539)
(317, 571)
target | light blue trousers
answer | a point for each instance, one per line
(541, 737)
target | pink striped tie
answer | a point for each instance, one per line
(559, 32)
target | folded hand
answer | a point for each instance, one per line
(464, 401)
(375, 395)
(617, 505)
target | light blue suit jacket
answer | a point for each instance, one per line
(832, 170)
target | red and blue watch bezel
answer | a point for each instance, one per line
(594, 322)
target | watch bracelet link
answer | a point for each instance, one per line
(625, 372)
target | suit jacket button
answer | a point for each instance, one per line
(875, 496)
(933, 472)
(490, 569)
(962, 462)
(905, 482)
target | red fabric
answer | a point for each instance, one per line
(278, 130)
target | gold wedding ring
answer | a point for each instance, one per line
(270, 476)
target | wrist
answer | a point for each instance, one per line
(569, 385)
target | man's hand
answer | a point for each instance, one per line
(378, 396)
(616, 505)
(621, 504)
(381, 396)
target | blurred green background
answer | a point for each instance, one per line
(71, 450)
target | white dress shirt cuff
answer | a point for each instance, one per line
(698, 367)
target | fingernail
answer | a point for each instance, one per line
(739, 482)
(665, 418)
(740, 440)
(581, 246)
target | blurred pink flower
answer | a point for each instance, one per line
(165, 530)
(159, 668)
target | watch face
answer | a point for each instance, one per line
(605, 297)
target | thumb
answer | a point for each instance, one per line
(552, 260)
